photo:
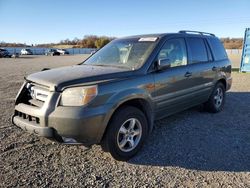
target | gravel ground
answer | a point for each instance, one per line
(189, 149)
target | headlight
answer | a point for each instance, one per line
(78, 96)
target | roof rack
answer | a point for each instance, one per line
(197, 32)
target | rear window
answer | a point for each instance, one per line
(197, 50)
(217, 49)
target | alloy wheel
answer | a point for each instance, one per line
(129, 135)
(218, 97)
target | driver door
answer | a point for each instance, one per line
(171, 89)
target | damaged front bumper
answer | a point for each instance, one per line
(71, 125)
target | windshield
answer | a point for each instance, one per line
(124, 53)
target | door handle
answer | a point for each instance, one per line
(215, 68)
(188, 74)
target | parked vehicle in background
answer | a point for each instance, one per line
(114, 96)
(62, 51)
(26, 51)
(92, 52)
(51, 52)
(15, 55)
(4, 53)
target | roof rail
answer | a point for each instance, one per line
(197, 32)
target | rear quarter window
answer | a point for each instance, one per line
(217, 48)
(197, 50)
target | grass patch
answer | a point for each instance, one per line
(63, 46)
(235, 69)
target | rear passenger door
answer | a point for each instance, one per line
(200, 66)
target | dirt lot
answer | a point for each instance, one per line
(189, 149)
(235, 59)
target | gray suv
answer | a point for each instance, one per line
(114, 97)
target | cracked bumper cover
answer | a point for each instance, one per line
(83, 125)
(32, 127)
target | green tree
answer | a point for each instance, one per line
(102, 41)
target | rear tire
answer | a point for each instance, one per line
(126, 133)
(216, 100)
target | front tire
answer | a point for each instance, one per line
(216, 100)
(126, 133)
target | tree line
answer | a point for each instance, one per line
(88, 41)
(5, 44)
(93, 41)
(232, 43)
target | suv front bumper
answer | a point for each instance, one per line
(82, 124)
(32, 127)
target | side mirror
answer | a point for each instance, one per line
(163, 64)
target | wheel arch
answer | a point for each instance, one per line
(142, 104)
(223, 81)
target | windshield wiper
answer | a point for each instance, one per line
(100, 65)
(111, 65)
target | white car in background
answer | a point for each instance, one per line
(92, 52)
(26, 51)
(62, 51)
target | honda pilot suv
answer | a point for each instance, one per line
(114, 96)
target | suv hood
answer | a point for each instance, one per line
(60, 78)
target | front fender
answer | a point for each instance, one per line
(122, 97)
(119, 98)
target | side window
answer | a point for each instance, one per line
(198, 51)
(209, 52)
(175, 51)
(217, 49)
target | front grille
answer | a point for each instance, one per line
(38, 93)
(27, 117)
(34, 95)
(36, 103)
